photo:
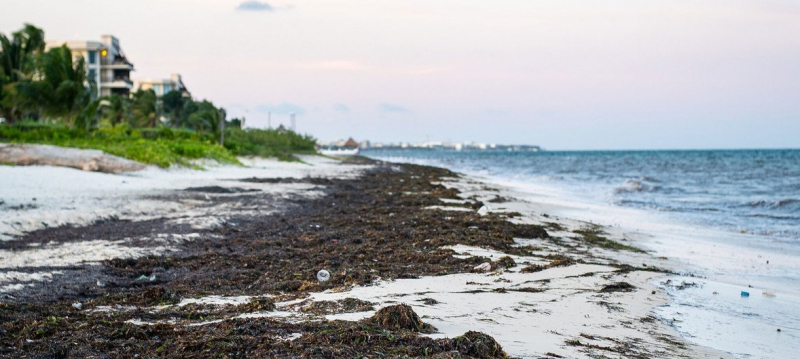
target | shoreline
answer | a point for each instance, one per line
(358, 230)
(710, 311)
(719, 261)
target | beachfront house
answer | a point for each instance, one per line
(106, 64)
(163, 86)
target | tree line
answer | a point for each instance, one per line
(52, 86)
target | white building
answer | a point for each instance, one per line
(162, 86)
(106, 64)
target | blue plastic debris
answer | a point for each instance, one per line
(745, 294)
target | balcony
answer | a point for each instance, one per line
(118, 82)
(119, 66)
(119, 63)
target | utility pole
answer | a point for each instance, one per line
(294, 129)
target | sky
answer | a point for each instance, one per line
(563, 74)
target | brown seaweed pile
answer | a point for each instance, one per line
(400, 316)
(363, 229)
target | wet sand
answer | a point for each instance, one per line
(227, 266)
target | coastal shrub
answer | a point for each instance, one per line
(268, 143)
(160, 147)
(163, 146)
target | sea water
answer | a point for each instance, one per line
(730, 218)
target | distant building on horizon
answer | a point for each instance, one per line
(162, 86)
(106, 64)
(351, 143)
(457, 146)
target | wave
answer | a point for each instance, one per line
(775, 217)
(641, 185)
(788, 203)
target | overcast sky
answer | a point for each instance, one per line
(563, 74)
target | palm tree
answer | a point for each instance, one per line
(115, 108)
(17, 63)
(144, 109)
(173, 104)
(60, 89)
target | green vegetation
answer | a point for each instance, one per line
(45, 97)
(268, 143)
(163, 146)
(592, 235)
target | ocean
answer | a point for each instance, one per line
(730, 218)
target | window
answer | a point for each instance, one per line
(92, 57)
(92, 76)
(167, 88)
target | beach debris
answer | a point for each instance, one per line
(685, 285)
(768, 294)
(715, 293)
(327, 307)
(593, 235)
(618, 287)
(400, 316)
(560, 262)
(484, 210)
(483, 267)
(47, 155)
(745, 294)
(779, 330)
(478, 345)
(77, 305)
(100, 284)
(258, 304)
(220, 190)
(323, 275)
(429, 301)
(151, 278)
(499, 199)
(505, 262)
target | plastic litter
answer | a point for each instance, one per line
(77, 305)
(483, 267)
(745, 294)
(768, 294)
(142, 277)
(323, 275)
(483, 211)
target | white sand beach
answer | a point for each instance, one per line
(529, 314)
